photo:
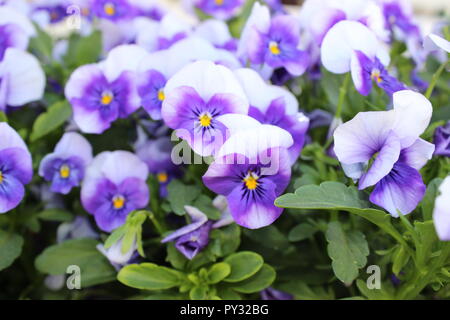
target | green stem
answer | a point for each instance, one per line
(342, 95)
(158, 226)
(435, 78)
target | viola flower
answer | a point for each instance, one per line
(361, 53)
(220, 9)
(156, 153)
(251, 169)
(384, 149)
(79, 228)
(149, 9)
(15, 30)
(65, 166)
(273, 43)
(46, 12)
(442, 140)
(441, 213)
(217, 33)
(102, 93)
(160, 35)
(437, 42)
(274, 105)
(194, 237)
(15, 168)
(113, 10)
(365, 71)
(22, 79)
(114, 185)
(196, 97)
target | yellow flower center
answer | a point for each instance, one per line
(109, 8)
(107, 98)
(274, 48)
(219, 2)
(161, 95)
(251, 181)
(376, 76)
(1, 177)
(118, 202)
(64, 171)
(162, 177)
(205, 119)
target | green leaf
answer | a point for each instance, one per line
(303, 291)
(55, 215)
(180, 195)
(427, 238)
(95, 268)
(261, 280)
(348, 251)
(198, 293)
(149, 276)
(269, 237)
(332, 195)
(301, 232)
(218, 272)
(10, 248)
(243, 265)
(54, 117)
(428, 200)
(84, 50)
(399, 259)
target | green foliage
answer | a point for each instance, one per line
(95, 268)
(180, 195)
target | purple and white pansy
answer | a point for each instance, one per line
(103, 92)
(66, 165)
(114, 185)
(251, 169)
(195, 99)
(220, 9)
(441, 213)
(384, 149)
(15, 168)
(15, 30)
(351, 46)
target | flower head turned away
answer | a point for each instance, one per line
(196, 99)
(384, 149)
(79, 228)
(102, 93)
(434, 42)
(442, 140)
(441, 214)
(251, 169)
(273, 43)
(22, 79)
(114, 185)
(220, 9)
(15, 168)
(65, 167)
(361, 53)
